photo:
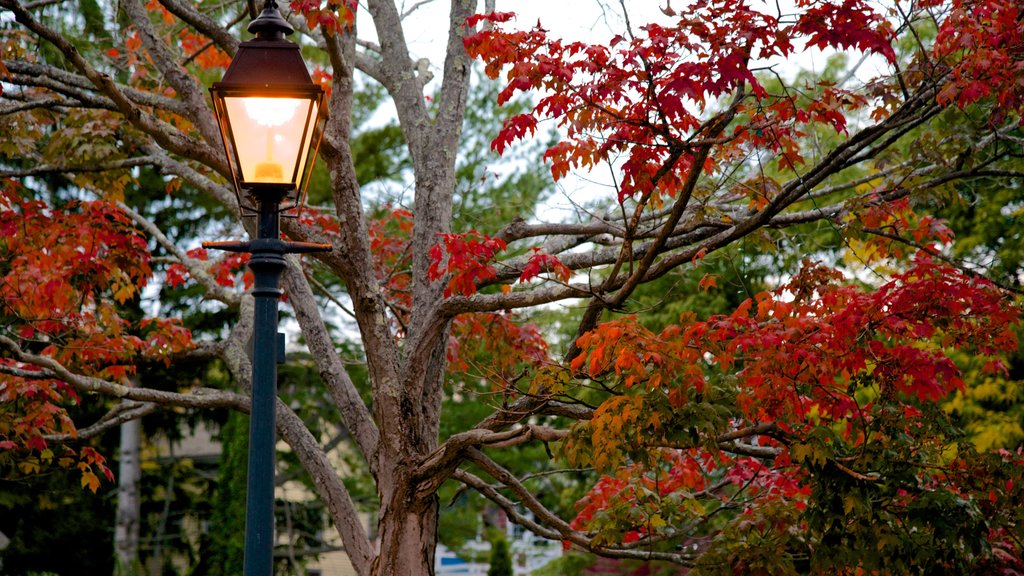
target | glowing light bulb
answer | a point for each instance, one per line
(271, 111)
(269, 172)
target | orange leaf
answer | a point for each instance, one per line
(707, 282)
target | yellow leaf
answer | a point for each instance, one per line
(29, 467)
(90, 481)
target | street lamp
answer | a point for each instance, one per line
(270, 115)
(271, 120)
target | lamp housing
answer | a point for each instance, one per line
(270, 114)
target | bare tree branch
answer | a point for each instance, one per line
(547, 522)
(125, 411)
(439, 465)
(355, 415)
(93, 167)
(197, 398)
(168, 139)
(205, 25)
(196, 268)
(79, 87)
(329, 487)
(184, 84)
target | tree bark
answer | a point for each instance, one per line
(126, 532)
(408, 532)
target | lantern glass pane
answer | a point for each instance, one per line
(268, 137)
(304, 160)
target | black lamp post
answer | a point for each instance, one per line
(271, 120)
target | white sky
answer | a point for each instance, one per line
(426, 26)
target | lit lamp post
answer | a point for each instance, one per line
(271, 119)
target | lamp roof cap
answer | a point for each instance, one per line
(270, 24)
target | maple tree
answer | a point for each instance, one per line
(800, 432)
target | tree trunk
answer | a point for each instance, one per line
(126, 531)
(408, 536)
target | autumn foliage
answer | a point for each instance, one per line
(807, 420)
(791, 430)
(60, 300)
(832, 383)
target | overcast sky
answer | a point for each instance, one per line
(567, 19)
